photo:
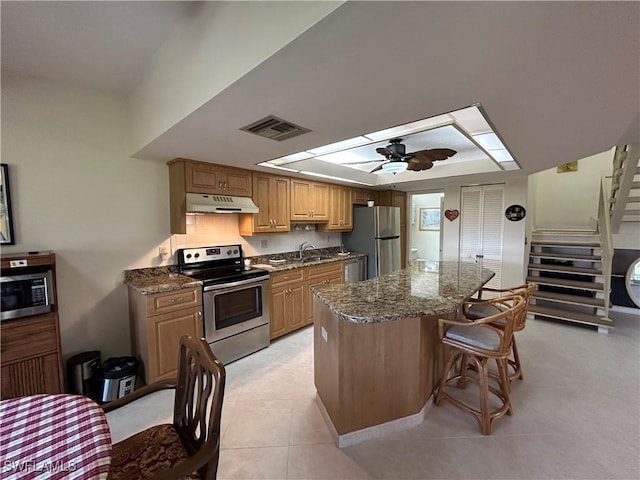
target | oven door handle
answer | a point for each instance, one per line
(235, 284)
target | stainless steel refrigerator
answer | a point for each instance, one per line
(376, 232)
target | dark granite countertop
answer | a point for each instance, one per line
(407, 293)
(310, 260)
(151, 280)
(147, 281)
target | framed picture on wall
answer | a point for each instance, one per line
(6, 220)
(429, 219)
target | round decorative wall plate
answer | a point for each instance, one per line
(515, 213)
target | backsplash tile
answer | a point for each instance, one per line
(222, 229)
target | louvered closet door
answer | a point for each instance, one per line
(481, 225)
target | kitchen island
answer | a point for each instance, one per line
(376, 349)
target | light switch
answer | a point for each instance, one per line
(325, 335)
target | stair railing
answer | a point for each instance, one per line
(625, 162)
(606, 241)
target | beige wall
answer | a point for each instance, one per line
(570, 199)
(209, 51)
(75, 191)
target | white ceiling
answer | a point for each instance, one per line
(559, 81)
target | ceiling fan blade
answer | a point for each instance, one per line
(420, 156)
(418, 166)
(379, 167)
(437, 153)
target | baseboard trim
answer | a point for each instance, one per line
(375, 431)
(618, 308)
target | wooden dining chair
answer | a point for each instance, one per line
(478, 342)
(190, 446)
(476, 309)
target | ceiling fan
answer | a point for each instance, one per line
(396, 160)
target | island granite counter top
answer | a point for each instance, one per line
(374, 375)
(412, 292)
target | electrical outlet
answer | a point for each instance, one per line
(264, 243)
(324, 334)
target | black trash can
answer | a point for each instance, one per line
(117, 378)
(82, 373)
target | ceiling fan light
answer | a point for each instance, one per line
(394, 167)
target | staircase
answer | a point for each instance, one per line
(624, 201)
(567, 268)
(572, 269)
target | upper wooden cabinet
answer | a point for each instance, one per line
(271, 195)
(393, 198)
(309, 201)
(188, 176)
(214, 179)
(360, 196)
(340, 210)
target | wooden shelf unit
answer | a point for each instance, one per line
(31, 355)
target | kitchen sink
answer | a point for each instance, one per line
(315, 258)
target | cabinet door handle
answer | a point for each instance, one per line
(176, 300)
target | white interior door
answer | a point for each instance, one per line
(481, 227)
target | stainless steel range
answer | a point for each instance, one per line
(235, 300)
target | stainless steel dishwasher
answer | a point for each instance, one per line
(355, 269)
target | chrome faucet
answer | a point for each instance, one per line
(303, 247)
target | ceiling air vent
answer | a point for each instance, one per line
(275, 128)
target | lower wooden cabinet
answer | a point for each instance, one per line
(320, 275)
(291, 296)
(31, 356)
(287, 309)
(157, 323)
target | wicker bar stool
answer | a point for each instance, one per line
(475, 309)
(480, 341)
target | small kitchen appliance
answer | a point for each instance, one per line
(26, 292)
(82, 373)
(235, 299)
(118, 378)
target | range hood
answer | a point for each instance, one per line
(203, 203)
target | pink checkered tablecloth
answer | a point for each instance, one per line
(53, 437)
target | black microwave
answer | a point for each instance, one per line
(26, 294)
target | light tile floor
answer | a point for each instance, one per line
(577, 416)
